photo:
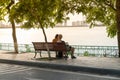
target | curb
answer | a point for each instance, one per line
(100, 71)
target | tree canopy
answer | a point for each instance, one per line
(103, 11)
(38, 13)
(3, 11)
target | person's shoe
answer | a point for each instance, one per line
(73, 57)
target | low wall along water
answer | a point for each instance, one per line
(80, 50)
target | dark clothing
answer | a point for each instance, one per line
(59, 54)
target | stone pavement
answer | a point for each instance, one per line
(101, 65)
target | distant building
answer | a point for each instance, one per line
(3, 25)
(79, 23)
(65, 23)
(59, 25)
(6, 25)
(74, 24)
(62, 24)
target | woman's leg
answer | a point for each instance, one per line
(72, 53)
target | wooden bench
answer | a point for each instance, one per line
(41, 46)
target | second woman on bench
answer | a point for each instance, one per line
(71, 49)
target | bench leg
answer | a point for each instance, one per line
(35, 54)
(56, 52)
(40, 54)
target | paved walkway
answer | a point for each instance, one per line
(93, 62)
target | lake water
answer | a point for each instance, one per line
(74, 35)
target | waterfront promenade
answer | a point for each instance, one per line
(102, 65)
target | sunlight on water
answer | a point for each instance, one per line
(73, 35)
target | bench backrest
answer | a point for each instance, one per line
(52, 46)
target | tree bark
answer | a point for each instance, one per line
(118, 24)
(14, 36)
(46, 42)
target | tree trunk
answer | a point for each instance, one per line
(46, 43)
(13, 27)
(118, 23)
(14, 36)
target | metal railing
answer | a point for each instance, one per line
(80, 50)
(86, 50)
(21, 47)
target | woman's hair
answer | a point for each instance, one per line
(60, 36)
(56, 35)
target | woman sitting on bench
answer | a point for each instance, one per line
(71, 49)
(59, 54)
